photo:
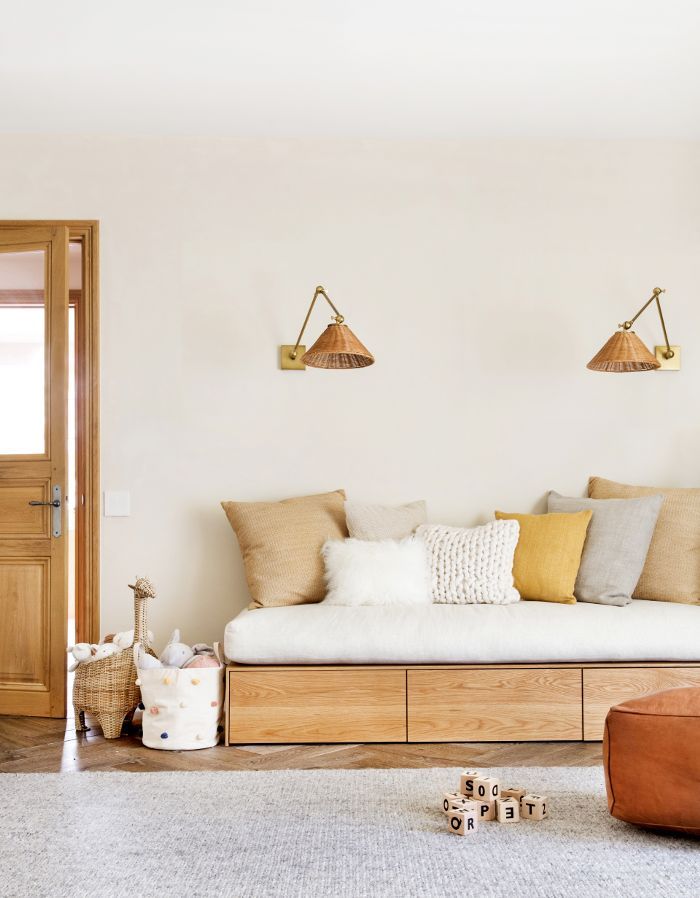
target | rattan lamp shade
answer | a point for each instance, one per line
(624, 351)
(338, 347)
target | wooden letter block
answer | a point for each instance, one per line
(507, 810)
(448, 798)
(487, 810)
(511, 792)
(466, 781)
(462, 822)
(464, 804)
(486, 788)
(534, 807)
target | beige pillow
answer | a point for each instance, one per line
(384, 521)
(671, 571)
(281, 545)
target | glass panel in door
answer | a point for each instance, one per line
(22, 352)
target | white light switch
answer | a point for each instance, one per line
(117, 504)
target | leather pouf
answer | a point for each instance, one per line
(651, 752)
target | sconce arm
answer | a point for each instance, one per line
(338, 317)
(626, 325)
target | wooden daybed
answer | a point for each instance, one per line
(316, 692)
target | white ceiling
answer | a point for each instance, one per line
(389, 68)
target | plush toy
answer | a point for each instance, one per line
(146, 661)
(203, 656)
(201, 648)
(176, 653)
(202, 661)
(104, 650)
(125, 639)
(81, 651)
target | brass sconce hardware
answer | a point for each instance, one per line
(624, 351)
(337, 347)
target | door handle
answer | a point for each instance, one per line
(55, 504)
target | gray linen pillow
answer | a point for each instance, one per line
(383, 521)
(616, 545)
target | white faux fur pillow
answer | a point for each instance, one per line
(475, 565)
(385, 572)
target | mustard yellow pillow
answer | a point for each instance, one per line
(548, 554)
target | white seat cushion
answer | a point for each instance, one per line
(465, 634)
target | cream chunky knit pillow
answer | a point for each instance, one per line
(475, 565)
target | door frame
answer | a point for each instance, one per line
(87, 387)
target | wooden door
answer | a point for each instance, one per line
(33, 450)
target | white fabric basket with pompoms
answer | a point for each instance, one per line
(182, 707)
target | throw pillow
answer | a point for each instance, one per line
(281, 545)
(383, 521)
(385, 572)
(474, 565)
(548, 554)
(672, 568)
(616, 545)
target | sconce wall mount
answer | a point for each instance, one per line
(337, 347)
(625, 352)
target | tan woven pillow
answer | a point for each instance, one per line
(671, 571)
(281, 545)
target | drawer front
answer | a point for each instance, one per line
(508, 704)
(296, 706)
(605, 687)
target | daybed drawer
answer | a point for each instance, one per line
(497, 705)
(604, 687)
(315, 705)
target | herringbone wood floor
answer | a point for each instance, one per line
(33, 744)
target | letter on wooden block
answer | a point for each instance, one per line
(534, 807)
(448, 798)
(512, 792)
(487, 810)
(462, 822)
(486, 788)
(466, 781)
(464, 804)
(507, 810)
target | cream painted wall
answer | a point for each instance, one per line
(483, 276)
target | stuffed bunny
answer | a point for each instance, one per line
(104, 650)
(146, 661)
(81, 651)
(176, 653)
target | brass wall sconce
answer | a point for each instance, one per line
(624, 351)
(337, 347)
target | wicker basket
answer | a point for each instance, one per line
(107, 688)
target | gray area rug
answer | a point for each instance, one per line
(321, 834)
